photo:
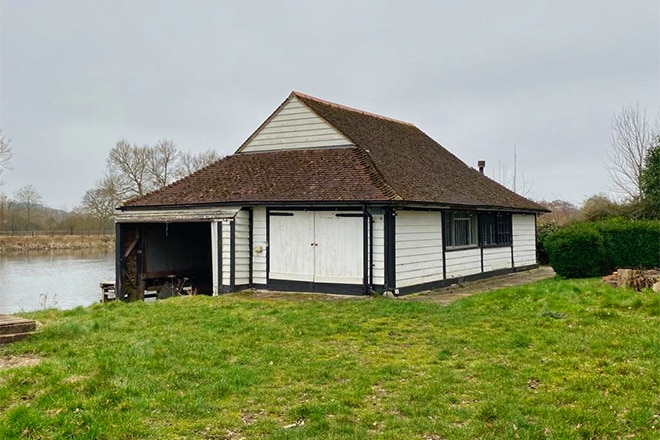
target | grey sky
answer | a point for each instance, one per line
(480, 77)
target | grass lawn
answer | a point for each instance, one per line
(554, 359)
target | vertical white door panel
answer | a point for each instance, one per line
(215, 258)
(291, 246)
(318, 247)
(339, 249)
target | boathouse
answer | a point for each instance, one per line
(326, 198)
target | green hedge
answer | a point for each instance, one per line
(595, 249)
(542, 232)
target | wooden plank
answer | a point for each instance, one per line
(296, 127)
(13, 328)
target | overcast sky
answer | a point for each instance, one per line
(480, 77)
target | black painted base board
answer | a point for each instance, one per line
(466, 279)
(358, 289)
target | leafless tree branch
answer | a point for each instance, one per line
(189, 163)
(5, 152)
(630, 140)
(161, 161)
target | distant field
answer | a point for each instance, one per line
(555, 359)
(26, 243)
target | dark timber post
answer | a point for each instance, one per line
(232, 256)
(390, 249)
(250, 246)
(220, 288)
(443, 231)
(139, 261)
(119, 259)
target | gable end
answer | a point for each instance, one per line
(293, 126)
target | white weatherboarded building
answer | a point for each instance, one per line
(326, 198)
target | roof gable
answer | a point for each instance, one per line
(294, 126)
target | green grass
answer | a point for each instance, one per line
(555, 359)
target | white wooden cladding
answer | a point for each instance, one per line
(259, 246)
(465, 262)
(175, 215)
(418, 247)
(524, 239)
(291, 247)
(378, 259)
(316, 246)
(242, 253)
(339, 250)
(214, 257)
(226, 254)
(497, 258)
(295, 126)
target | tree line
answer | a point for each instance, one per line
(131, 170)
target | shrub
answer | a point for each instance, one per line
(576, 251)
(631, 244)
(595, 249)
(542, 232)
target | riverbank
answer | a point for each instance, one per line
(41, 243)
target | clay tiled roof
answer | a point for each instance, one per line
(394, 162)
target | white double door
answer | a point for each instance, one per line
(316, 246)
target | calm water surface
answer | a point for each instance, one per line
(63, 280)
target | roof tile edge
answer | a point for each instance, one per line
(351, 109)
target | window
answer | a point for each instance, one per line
(460, 229)
(495, 228)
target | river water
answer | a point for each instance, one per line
(62, 279)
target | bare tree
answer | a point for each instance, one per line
(100, 202)
(562, 212)
(128, 163)
(4, 211)
(5, 153)
(29, 199)
(136, 170)
(161, 163)
(630, 141)
(515, 181)
(189, 163)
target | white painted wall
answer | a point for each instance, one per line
(214, 257)
(295, 126)
(497, 258)
(242, 254)
(226, 252)
(259, 243)
(418, 247)
(524, 239)
(463, 262)
(378, 259)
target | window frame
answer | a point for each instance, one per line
(495, 229)
(460, 217)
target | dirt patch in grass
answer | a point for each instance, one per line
(296, 296)
(7, 362)
(440, 296)
(450, 294)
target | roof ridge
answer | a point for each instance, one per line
(351, 109)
